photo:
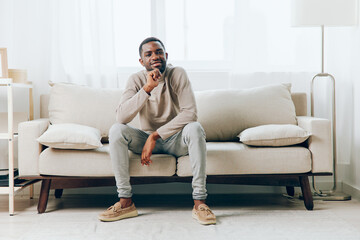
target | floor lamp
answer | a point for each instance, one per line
(325, 13)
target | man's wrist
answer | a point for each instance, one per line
(155, 136)
(147, 88)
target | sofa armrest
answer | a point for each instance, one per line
(320, 142)
(29, 148)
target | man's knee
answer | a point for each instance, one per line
(117, 130)
(194, 130)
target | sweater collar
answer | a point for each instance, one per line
(163, 75)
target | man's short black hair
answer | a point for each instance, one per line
(150, 39)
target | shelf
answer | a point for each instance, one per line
(9, 130)
(6, 190)
(22, 85)
(7, 81)
(6, 136)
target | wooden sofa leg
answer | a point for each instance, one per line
(44, 195)
(306, 192)
(58, 193)
(290, 190)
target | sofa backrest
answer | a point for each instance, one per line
(300, 103)
(226, 113)
(299, 99)
(223, 113)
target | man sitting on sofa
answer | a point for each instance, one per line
(163, 97)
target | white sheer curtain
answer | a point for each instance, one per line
(90, 41)
(78, 41)
(92, 38)
(82, 42)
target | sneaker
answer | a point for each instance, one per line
(204, 215)
(115, 213)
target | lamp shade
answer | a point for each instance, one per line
(324, 12)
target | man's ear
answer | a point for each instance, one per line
(166, 54)
(141, 61)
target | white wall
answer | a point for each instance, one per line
(343, 61)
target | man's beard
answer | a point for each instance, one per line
(161, 68)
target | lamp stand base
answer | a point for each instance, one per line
(330, 197)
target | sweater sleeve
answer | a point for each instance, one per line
(132, 101)
(181, 87)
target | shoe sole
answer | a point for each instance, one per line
(202, 222)
(123, 216)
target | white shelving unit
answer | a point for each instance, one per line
(13, 119)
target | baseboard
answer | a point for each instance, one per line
(342, 187)
(352, 190)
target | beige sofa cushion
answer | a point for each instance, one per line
(71, 136)
(226, 113)
(237, 158)
(274, 135)
(84, 105)
(97, 163)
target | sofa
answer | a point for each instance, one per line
(248, 141)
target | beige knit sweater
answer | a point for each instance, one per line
(168, 108)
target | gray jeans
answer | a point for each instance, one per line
(190, 141)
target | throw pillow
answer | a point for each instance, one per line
(94, 107)
(71, 136)
(274, 135)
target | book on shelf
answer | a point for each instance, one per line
(4, 173)
(4, 178)
(17, 182)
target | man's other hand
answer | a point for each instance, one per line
(148, 148)
(152, 80)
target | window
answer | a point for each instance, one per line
(196, 30)
(216, 35)
(132, 24)
(226, 35)
(192, 31)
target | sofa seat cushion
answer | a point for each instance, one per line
(237, 158)
(97, 163)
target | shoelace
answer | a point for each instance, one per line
(207, 210)
(110, 208)
(113, 208)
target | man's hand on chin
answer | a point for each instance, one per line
(148, 148)
(152, 80)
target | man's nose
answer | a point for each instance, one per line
(154, 56)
